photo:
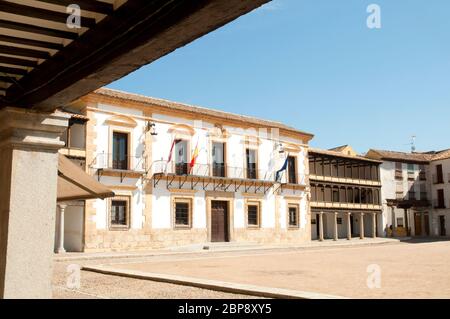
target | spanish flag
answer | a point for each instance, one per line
(194, 158)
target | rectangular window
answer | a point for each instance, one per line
(293, 216)
(250, 155)
(218, 159)
(398, 171)
(422, 173)
(120, 212)
(292, 170)
(181, 157)
(399, 222)
(253, 215)
(120, 151)
(182, 213)
(440, 174)
(441, 199)
(423, 192)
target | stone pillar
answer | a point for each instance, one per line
(361, 226)
(374, 225)
(321, 226)
(422, 221)
(394, 222)
(407, 222)
(335, 224)
(60, 249)
(349, 226)
(29, 143)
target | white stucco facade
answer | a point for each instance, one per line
(152, 187)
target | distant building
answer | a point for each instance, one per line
(415, 192)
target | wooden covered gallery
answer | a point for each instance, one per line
(345, 194)
(45, 63)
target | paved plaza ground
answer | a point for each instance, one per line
(412, 269)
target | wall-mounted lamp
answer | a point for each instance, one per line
(151, 127)
(280, 148)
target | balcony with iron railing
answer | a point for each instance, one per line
(220, 170)
(439, 204)
(422, 176)
(438, 179)
(398, 174)
(107, 163)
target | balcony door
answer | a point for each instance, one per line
(120, 151)
(440, 199)
(292, 169)
(218, 159)
(440, 174)
(250, 155)
(181, 157)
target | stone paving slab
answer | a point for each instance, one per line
(225, 248)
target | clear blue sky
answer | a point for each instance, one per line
(315, 65)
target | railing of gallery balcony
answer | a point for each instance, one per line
(220, 176)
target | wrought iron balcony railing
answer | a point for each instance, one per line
(119, 162)
(439, 204)
(221, 171)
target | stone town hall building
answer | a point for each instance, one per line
(183, 175)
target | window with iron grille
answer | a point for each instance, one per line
(120, 212)
(293, 216)
(253, 215)
(182, 214)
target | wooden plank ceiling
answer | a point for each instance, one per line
(45, 64)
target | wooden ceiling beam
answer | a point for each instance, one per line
(11, 70)
(7, 79)
(31, 42)
(31, 53)
(44, 14)
(37, 29)
(136, 33)
(17, 61)
(88, 5)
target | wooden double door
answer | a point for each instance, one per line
(418, 227)
(219, 221)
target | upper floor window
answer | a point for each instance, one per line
(292, 170)
(398, 170)
(218, 159)
(439, 174)
(410, 168)
(251, 161)
(422, 173)
(181, 157)
(440, 199)
(120, 150)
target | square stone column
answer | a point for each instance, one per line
(29, 143)
(321, 237)
(361, 226)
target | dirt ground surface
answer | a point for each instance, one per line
(408, 270)
(99, 286)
